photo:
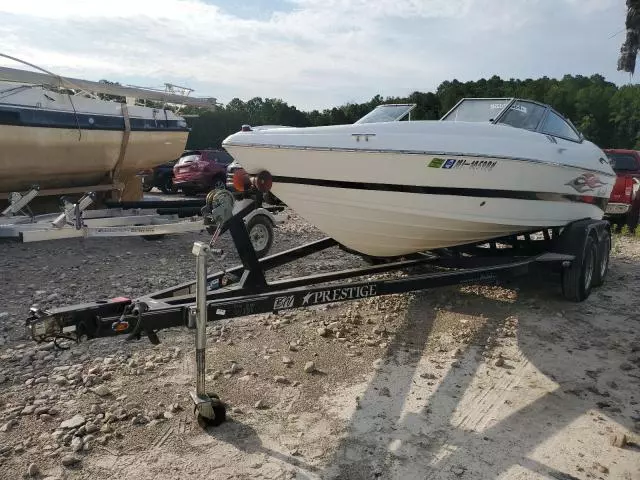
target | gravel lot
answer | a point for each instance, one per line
(465, 382)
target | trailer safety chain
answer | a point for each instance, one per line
(138, 309)
(135, 333)
(122, 325)
(55, 337)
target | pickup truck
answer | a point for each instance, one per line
(624, 202)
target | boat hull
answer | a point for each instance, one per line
(64, 158)
(59, 141)
(387, 204)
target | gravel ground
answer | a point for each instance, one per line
(477, 382)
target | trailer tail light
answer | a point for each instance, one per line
(121, 326)
(263, 181)
(241, 181)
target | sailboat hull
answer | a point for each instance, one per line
(62, 158)
(59, 141)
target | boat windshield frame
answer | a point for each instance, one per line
(372, 117)
(504, 100)
(510, 102)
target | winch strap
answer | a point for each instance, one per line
(123, 143)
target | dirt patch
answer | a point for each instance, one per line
(475, 382)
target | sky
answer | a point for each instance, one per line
(314, 53)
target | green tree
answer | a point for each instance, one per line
(607, 115)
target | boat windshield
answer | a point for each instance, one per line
(523, 114)
(477, 110)
(386, 113)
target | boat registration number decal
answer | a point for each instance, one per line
(455, 164)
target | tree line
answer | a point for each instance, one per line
(606, 114)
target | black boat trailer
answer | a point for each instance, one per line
(578, 251)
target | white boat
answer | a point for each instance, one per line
(385, 187)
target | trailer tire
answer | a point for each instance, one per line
(604, 256)
(151, 238)
(167, 185)
(260, 231)
(219, 183)
(578, 279)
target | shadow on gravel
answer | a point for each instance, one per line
(246, 439)
(383, 442)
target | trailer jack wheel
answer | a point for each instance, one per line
(210, 411)
(208, 407)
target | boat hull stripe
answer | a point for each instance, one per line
(600, 202)
(26, 117)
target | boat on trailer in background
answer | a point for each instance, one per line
(56, 133)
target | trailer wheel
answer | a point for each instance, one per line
(261, 234)
(219, 183)
(578, 279)
(167, 185)
(604, 253)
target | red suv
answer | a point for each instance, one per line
(201, 171)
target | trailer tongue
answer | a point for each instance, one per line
(580, 253)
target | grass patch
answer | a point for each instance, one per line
(620, 234)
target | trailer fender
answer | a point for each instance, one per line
(573, 238)
(262, 211)
(589, 241)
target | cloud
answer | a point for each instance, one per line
(313, 53)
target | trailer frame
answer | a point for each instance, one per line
(148, 219)
(578, 251)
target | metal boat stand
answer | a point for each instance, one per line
(18, 201)
(579, 253)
